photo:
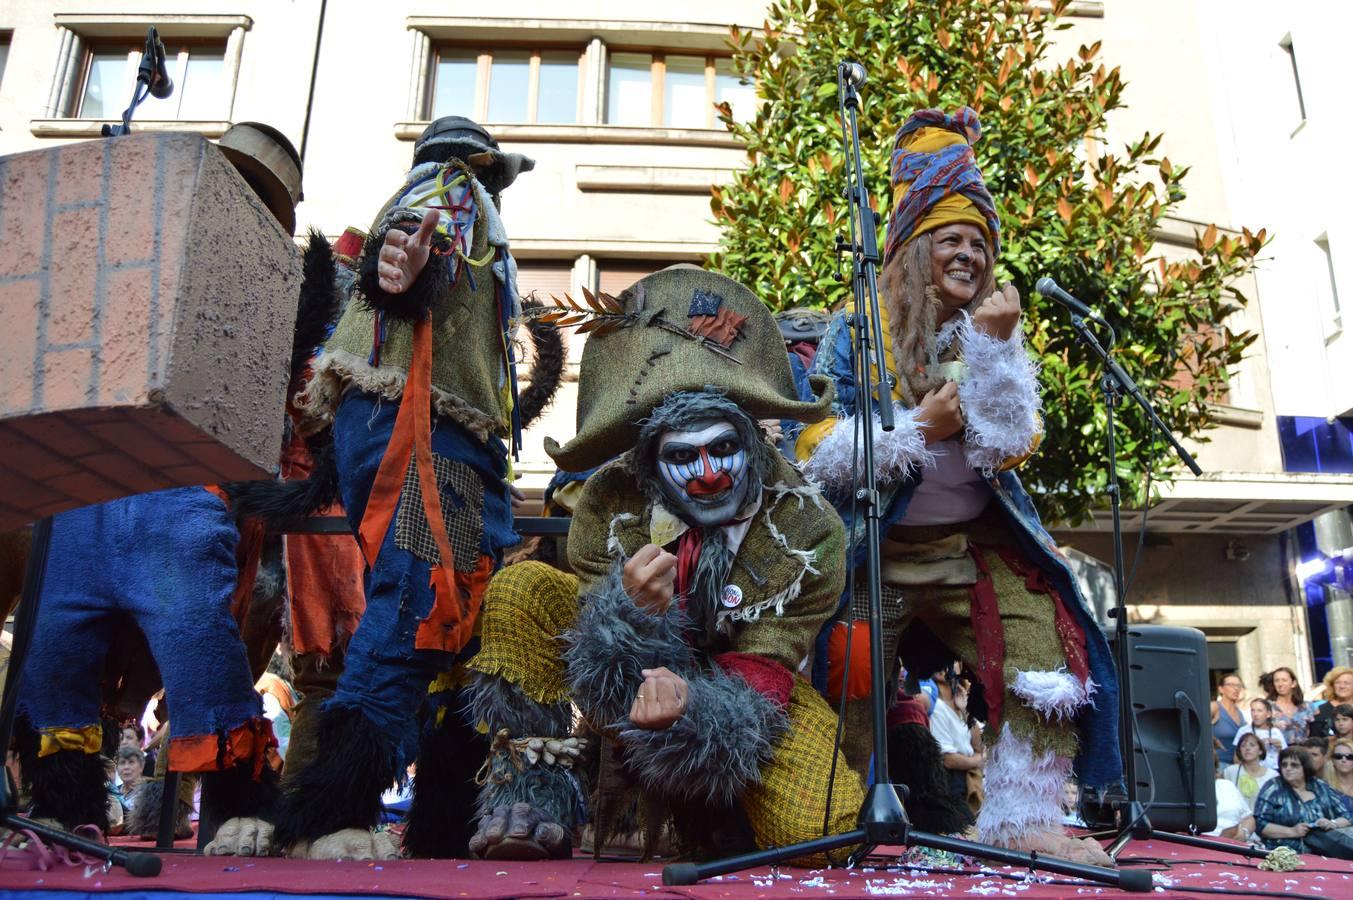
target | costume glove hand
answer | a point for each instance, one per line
(649, 577)
(998, 315)
(939, 414)
(661, 700)
(404, 255)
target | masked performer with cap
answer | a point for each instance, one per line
(705, 567)
(964, 553)
(170, 562)
(417, 382)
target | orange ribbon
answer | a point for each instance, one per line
(449, 625)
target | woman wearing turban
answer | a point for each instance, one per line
(964, 555)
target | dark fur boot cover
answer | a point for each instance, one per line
(914, 760)
(441, 817)
(234, 794)
(342, 788)
(143, 820)
(70, 786)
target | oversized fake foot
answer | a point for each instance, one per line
(1055, 842)
(242, 837)
(519, 832)
(350, 843)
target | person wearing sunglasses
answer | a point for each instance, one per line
(1339, 773)
(1301, 812)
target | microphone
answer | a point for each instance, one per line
(854, 74)
(153, 67)
(1050, 289)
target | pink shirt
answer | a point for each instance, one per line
(950, 492)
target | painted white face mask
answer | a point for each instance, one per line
(703, 472)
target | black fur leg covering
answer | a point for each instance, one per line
(342, 788)
(914, 760)
(716, 749)
(431, 285)
(319, 303)
(552, 789)
(444, 791)
(547, 369)
(612, 643)
(144, 819)
(71, 787)
(234, 794)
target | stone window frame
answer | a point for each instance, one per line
(484, 68)
(78, 33)
(599, 37)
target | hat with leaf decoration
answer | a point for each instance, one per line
(680, 329)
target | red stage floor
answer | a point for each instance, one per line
(1178, 872)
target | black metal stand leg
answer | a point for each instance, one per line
(25, 622)
(169, 803)
(1134, 880)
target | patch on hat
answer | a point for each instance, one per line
(704, 303)
(710, 319)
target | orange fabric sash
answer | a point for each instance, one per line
(450, 624)
(252, 740)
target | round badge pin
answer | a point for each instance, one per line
(732, 596)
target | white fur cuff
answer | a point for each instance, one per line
(1053, 695)
(1000, 397)
(897, 453)
(1023, 792)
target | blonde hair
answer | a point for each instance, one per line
(1332, 676)
(913, 306)
(1328, 774)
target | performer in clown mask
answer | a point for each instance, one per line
(966, 562)
(705, 565)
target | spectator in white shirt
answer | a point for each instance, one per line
(949, 725)
(1261, 726)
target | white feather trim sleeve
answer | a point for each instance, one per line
(897, 453)
(999, 394)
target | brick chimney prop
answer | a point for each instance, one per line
(147, 304)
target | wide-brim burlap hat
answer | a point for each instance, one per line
(633, 365)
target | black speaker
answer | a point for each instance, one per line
(1173, 738)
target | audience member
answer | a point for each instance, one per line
(1261, 726)
(1250, 772)
(130, 762)
(1291, 714)
(950, 727)
(1071, 804)
(1318, 750)
(1228, 715)
(1342, 719)
(1235, 815)
(1339, 772)
(1338, 692)
(1301, 812)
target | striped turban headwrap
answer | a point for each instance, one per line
(935, 178)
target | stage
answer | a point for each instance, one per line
(1177, 871)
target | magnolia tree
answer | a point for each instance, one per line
(1070, 207)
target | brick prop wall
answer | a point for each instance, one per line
(147, 303)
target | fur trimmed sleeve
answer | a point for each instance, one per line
(430, 286)
(897, 453)
(612, 643)
(716, 750)
(1000, 398)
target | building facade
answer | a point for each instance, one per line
(614, 101)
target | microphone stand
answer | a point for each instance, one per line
(882, 818)
(1134, 824)
(152, 61)
(26, 617)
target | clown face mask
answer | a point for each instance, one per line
(703, 472)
